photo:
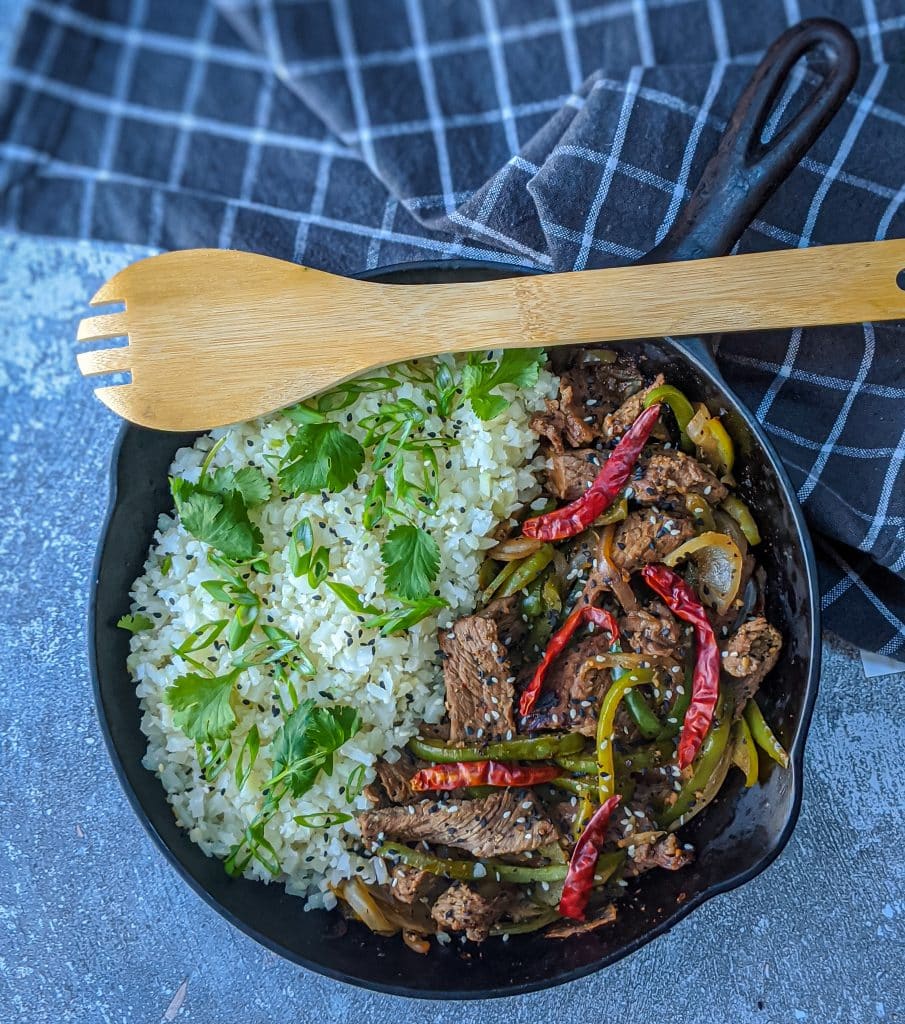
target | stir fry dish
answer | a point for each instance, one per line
(601, 691)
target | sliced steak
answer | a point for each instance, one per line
(394, 778)
(749, 655)
(616, 423)
(509, 821)
(596, 919)
(665, 477)
(478, 672)
(653, 631)
(649, 536)
(463, 909)
(412, 885)
(588, 392)
(573, 688)
(665, 853)
(572, 473)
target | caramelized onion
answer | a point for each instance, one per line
(718, 568)
(514, 548)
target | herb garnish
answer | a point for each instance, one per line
(303, 747)
(201, 705)
(134, 623)
(412, 560)
(215, 509)
(480, 378)
(320, 458)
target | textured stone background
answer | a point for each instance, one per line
(94, 926)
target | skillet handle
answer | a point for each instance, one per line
(744, 172)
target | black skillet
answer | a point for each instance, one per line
(744, 830)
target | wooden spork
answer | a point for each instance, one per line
(217, 336)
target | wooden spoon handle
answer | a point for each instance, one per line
(759, 291)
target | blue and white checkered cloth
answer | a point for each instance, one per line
(558, 134)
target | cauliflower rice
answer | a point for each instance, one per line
(395, 682)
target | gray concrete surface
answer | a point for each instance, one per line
(94, 926)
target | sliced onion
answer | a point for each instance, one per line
(514, 548)
(718, 568)
(414, 941)
(610, 574)
(365, 908)
(724, 523)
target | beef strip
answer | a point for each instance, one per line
(665, 853)
(649, 536)
(616, 423)
(595, 919)
(478, 672)
(463, 909)
(653, 631)
(412, 885)
(749, 655)
(665, 477)
(571, 694)
(572, 473)
(509, 821)
(588, 392)
(392, 783)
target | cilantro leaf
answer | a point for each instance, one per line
(320, 457)
(219, 520)
(201, 705)
(249, 481)
(520, 367)
(134, 623)
(306, 742)
(411, 561)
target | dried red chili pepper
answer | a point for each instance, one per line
(578, 515)
(683, 602)
(482, 773)
(580, 878)
(583, 613)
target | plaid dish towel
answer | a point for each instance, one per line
(559, 134)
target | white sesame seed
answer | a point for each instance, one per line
(478, 871)
(507, 814)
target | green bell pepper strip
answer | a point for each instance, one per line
(533, 748)
(744, 753)
(475, 871)
(578, 787)
(642, 715)
(681, 408)
(527, 572)
(501, 577)
(676, 714)
(763, 734)
(606, 725)
(533, 924)
(706, 763)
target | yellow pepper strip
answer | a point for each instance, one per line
(585, 810)
(725, 449)
(742, 515)
(744, 753)
(606, 727)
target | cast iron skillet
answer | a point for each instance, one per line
(744, 830)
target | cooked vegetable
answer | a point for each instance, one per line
(742, 515)
(481, 773)
(514, 549)
(699, 510)
(743, 751)
(582, 614)
(474, 870)
(763, 734)
(610, 574)
(580, 880)
(710, 436)
(681, 408)
(527, 572)
(699, 790)
(684, 604)
(613, 476)
(606, 727)
(718, 568)
(525, 748)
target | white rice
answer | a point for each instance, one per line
(395, 682)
